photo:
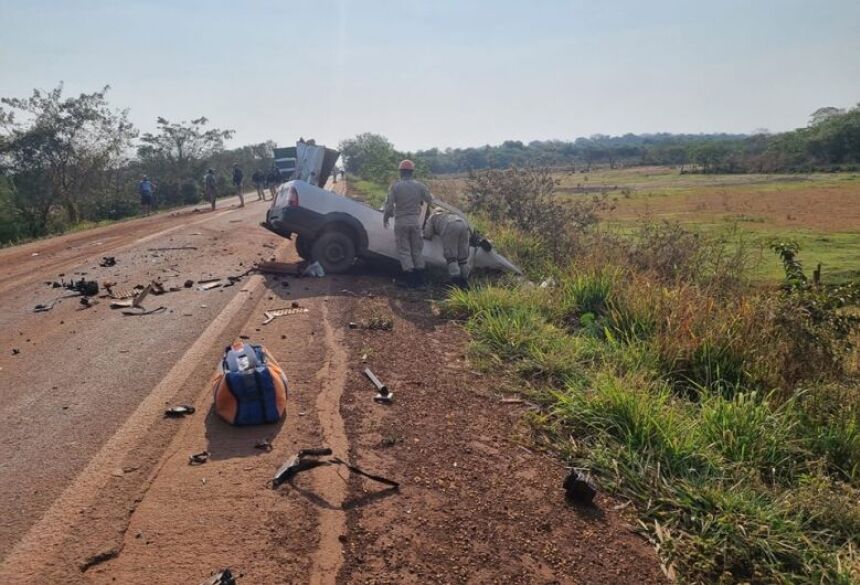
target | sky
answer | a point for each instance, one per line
(443, 73)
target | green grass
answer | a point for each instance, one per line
(374, 194)
(735, 484)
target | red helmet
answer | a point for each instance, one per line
(407, 165)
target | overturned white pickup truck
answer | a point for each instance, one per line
(336, 230)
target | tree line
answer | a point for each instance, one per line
(67, 160)
(831, 142)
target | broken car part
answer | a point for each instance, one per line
(579, 488)
(298, 463)
(168, 249)
(198, 458)
(308, 459)
(273, 314)
(179, 411)
(149, 312)
(383, 394)
(263, 445)
(290, 269)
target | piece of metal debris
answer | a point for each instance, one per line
(210, 285)
(87, 302)
(44, 307)
(291, 269)
(383, 394)
(309, 459)
(149, 312)
(198, 458)
(263, 445)
(273, 314)
(168, 249)
(179, 411)
(579, 488)
(133, 300)
(224, 577)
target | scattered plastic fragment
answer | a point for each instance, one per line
(579, 488)
(179, 411)
(383, 394)
(224, 577)
(263, 445)
(168, 249)
(149, 312)
(198, 458)
(273, 314)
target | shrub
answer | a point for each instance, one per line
(526, 199)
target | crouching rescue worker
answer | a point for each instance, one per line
(404, 202)
(453, 230)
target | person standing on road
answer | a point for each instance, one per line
(257, 179)
(146, 189)
(274, 179)
(237, 183)
(404, 201)
(210, 185)
(454, 232)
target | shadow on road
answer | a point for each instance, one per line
(224, 441)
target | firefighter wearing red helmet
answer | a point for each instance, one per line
(405, 202)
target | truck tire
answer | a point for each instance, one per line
(334, 250)
(304, 247)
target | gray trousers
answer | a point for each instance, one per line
(410, 246)
(455, 247)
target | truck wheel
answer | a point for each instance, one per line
(335, 251)
(304, 247)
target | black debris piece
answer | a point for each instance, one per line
(179, 411)
(224, 577)
(198, 458)
(263, 445)
(107, 261)
(15, 351)
(188, 283)
(87, 288)
(579, 488)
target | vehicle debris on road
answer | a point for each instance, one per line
(149, 312)
(224, 577)
(179, 411)
(264, 445)
(579, 488)
(287, 268)
(309, 459)
(171, 248)
(107, 261)
(383, 394)
(198, 458)
(273, 314)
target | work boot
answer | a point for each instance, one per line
(420, 281)
(406, 280)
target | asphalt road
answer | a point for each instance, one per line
(71, 377)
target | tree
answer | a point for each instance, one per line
(62, 153)
(177, 154)
(823, 114)
(370, 156)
